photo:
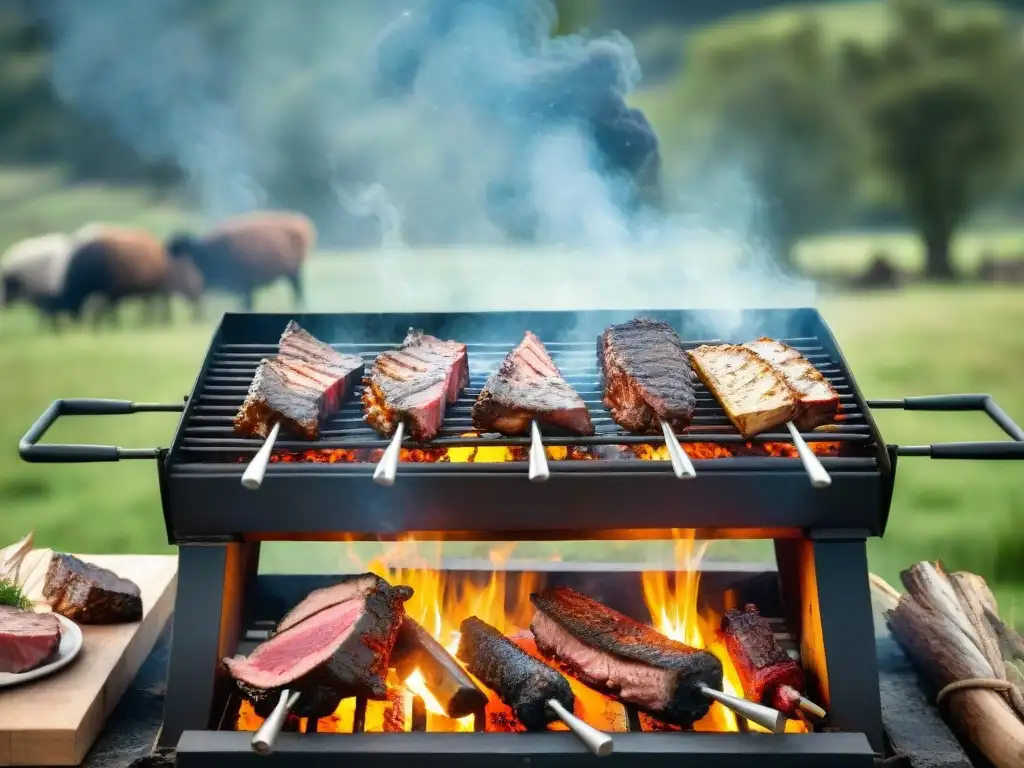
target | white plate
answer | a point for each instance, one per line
(70, 647)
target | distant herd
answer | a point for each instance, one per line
(104, 264)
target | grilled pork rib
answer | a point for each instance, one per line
(624, 658)
(767, 672)
(750, 390)
(415, 382)
(528, 386)
(89, 594)
(524, 683)
(647, 376)
(817, 399)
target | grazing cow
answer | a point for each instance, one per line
(32, 271)
(250, 251)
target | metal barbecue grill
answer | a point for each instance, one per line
(323, 490)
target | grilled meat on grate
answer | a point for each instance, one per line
(415, 382)
(335, 643)
(528, 386)
(613, 653)
(524, 683)
(89, 594)
(816, 398)
(27, 640)
(306, 382)
(752, 393)
(647, 376)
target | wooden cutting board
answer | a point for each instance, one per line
(55, 720)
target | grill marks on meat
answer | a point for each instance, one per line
(817, 399)
(751, 391)
(27, 640)
(528, 386)
(300, 387)
(335, 644)
(615, 654)
(647, 376)
(768, 674)
(415, 382)
(89, 594)
(523, 682)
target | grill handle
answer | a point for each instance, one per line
(984, 449)
(70, 454)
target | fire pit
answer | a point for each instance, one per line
(465, 486)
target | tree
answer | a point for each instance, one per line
(767, 102)
(941, 99)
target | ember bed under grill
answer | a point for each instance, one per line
(467, 486)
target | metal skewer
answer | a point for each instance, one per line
(253, 477)
(598, 742)
(265, 738)
(387, 467)
(819, 477)
(811, 708)
(766, 717)
(538, 459)
(681, 463)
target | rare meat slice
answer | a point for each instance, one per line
(89, 594)
(817, 399)
(300, 387)
(753, 394)
(328, 648)
(523, 682)
(529, 387)
(27, 640)
(767, 672)
(647, 376)
(349, 588)
(629, 660)
(415, 383)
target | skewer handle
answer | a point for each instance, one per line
(598, 742)
(538, 459)
(681, 463)
(766, 717)
(387, 467)
(819, 477)
(811, 708)
(265, 738)
(253, 477)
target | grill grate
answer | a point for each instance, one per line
(209, 437)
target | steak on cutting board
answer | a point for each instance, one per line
(529, 387)
(89, 594)
(27, 640)
(415, 382)
(647, 376)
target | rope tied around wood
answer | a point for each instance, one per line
(973, 684)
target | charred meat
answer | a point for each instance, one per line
(768, 674)
(647, 376)
(415, 382)
(624, 658)
(337, 642)
(89, 594)
(524, 683)
(753, 394)
(526, 387)
(816, 398)
(27, 640)
(300, 387)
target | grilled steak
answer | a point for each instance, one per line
(89, 594)
(766, 671)
(528, 386)
(524, 683)
(629, 660)
(752, 393)
(336, 645)
(300, 387)
(816, 398)
(415, 382)
(647, 376)
(27, 640)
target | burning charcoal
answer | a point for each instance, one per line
(89, 594)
